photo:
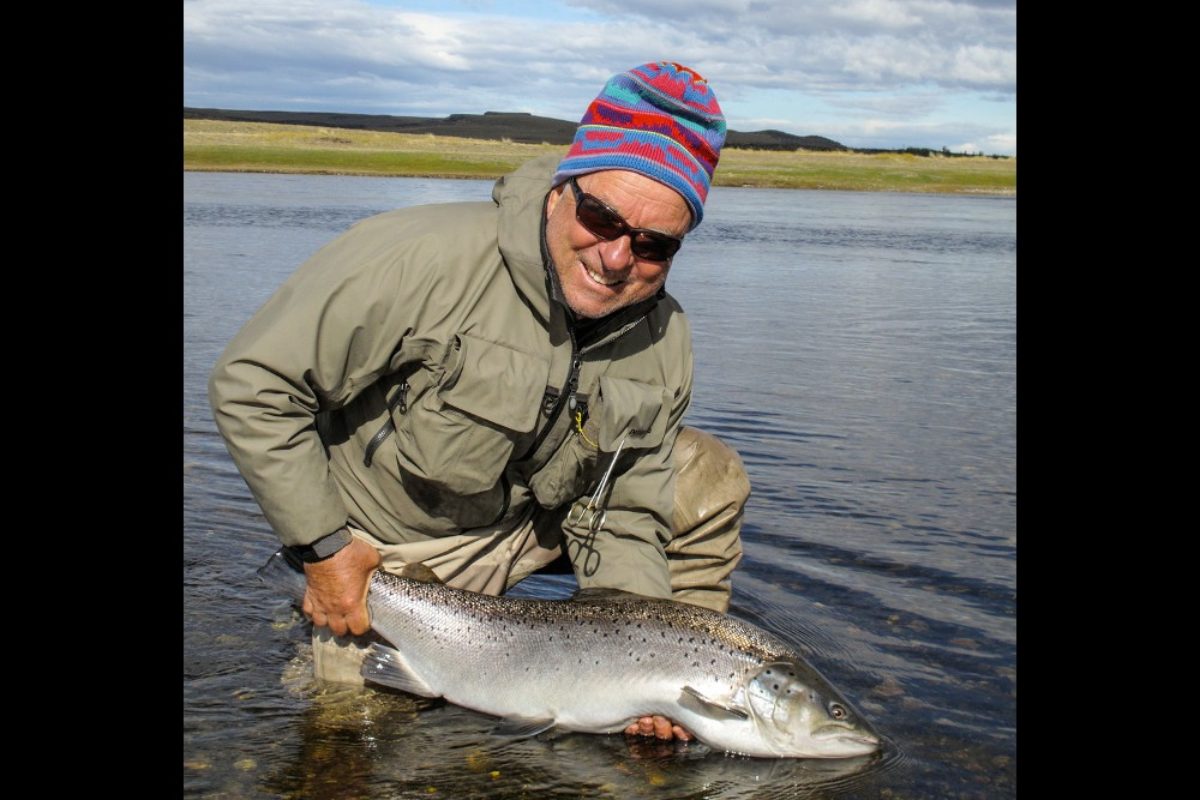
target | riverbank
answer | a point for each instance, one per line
(213, 145)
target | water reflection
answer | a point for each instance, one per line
(379, 743)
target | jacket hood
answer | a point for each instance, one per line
(521, 196)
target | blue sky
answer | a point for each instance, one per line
(866, 73)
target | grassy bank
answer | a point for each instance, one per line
(262, 147)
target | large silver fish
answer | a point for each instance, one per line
(598, 662)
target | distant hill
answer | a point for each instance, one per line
(514, 126)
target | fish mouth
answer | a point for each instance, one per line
(858, 742)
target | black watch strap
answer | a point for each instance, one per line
(324, 547)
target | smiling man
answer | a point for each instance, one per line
(603, 264)
(486, 388)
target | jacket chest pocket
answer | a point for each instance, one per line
(623, 408)
(459, 433)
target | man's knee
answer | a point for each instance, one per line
(710, 480)
(710, 495)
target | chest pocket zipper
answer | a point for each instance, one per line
(398, 401)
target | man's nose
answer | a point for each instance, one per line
(617, 254)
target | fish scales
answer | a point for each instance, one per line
(601, 641)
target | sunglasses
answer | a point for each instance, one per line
(601, 220)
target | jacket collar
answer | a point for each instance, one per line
(521, 197)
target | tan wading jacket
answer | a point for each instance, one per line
(425, 346)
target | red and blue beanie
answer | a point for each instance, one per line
(659, 119)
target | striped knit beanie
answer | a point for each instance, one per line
(659, 119)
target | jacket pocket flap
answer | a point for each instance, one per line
(639, 409)
(503, 386)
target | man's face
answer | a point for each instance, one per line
(599, 277)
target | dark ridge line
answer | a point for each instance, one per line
(492, 125)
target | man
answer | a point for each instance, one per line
(481, 387)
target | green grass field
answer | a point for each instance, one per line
(263, 147)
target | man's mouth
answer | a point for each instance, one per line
(600, 279)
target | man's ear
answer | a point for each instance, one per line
(552, 199)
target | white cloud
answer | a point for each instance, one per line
(350, 55)
(881, 13)
(1002, 143)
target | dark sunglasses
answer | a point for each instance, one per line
(601, 220)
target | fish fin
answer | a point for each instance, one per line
(716, 706)
(416, 571)
(599, 594)
(521, 728)
(285, 572)
(386, 665)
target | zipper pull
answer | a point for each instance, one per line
(549, 399)
(400, 398)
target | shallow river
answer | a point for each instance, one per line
(858, 349)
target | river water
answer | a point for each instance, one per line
(858, 349)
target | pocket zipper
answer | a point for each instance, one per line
(398, 400)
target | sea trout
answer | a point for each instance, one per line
(598, 662)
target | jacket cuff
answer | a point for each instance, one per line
(325, 547)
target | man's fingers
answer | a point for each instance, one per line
(644, 726)
(356, 622)
(662, 727)
(659, 727)
(359, 622)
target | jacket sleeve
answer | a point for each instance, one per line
(333, 327)
(628, 551)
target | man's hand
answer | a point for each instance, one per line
(337, 589)
(660, 727)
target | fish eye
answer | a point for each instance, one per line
(838, 711)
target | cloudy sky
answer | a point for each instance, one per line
(866, 73)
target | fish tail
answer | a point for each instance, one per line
(285, 572)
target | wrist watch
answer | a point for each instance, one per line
(324, 547)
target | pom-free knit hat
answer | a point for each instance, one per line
(659, 119)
